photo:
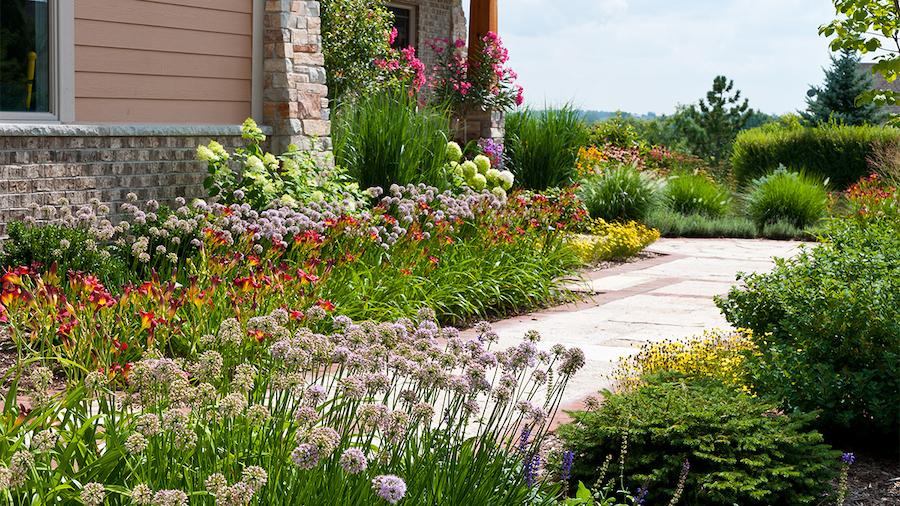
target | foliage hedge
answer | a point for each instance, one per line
(827, 324)
(740, 449)
(839, 153)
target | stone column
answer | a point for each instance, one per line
(295, 97)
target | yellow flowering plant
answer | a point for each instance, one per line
(612, 240)
(590, 161)
(717, 354)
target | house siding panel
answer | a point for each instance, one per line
(143, 61)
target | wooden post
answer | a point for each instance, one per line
(483, 19)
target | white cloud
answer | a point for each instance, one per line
(649, 55)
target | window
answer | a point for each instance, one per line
(25, 56)
(405, 23)
(36, 60)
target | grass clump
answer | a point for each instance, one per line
(787, 196)
(696, 193)
(620, 194)
(384, 139)
(542, 146)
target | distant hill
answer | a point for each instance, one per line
(595, 116)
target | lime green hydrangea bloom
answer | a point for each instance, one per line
(477, 182)
(469, 169)
(454, 152)
(483, 163)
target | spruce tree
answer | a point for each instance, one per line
(836, 101)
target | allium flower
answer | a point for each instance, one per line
(44, 441)
(233, 404)
(136, 443)
(257, 414)
(170, 498)
(216, 484)
(255, 477)
(389, 487)
(305, 456)
(148, 425)
(354, 461)
(306, 415)
(325, 439)
(21, 462)
(142, 495)
(93, 494)
(5, 478)
(573, 360)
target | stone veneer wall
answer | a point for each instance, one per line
(295, 96)
(43, 163)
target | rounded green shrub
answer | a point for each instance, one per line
(827, 324)
(694, 193)
(787, 196)
(740, 449)
(621, 193)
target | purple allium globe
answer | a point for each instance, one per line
(354, 461)
(305, 456)
(389, 487)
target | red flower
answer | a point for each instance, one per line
(327, 305)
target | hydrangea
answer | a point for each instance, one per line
(483, 163)
(389, 487)
(454, 152)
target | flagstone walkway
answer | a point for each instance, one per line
(669, 296)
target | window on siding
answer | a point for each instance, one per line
(405, 23)
(25, 59)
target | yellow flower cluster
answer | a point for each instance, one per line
(613, 241)
(590, 161)
(717, 354)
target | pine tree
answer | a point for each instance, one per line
(713, 123)
(836, 100)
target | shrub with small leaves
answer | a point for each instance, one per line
(741, 449)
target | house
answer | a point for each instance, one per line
(882, 84)
(99, 98)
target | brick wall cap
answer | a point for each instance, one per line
(131, 130)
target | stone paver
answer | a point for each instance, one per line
(670, 296)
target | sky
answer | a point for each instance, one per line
(650, 55)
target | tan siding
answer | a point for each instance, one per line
(142, 12)
(132, 61)
(94, 85)
(113, 110)
(156, 61)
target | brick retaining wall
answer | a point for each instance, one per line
(41, 163)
